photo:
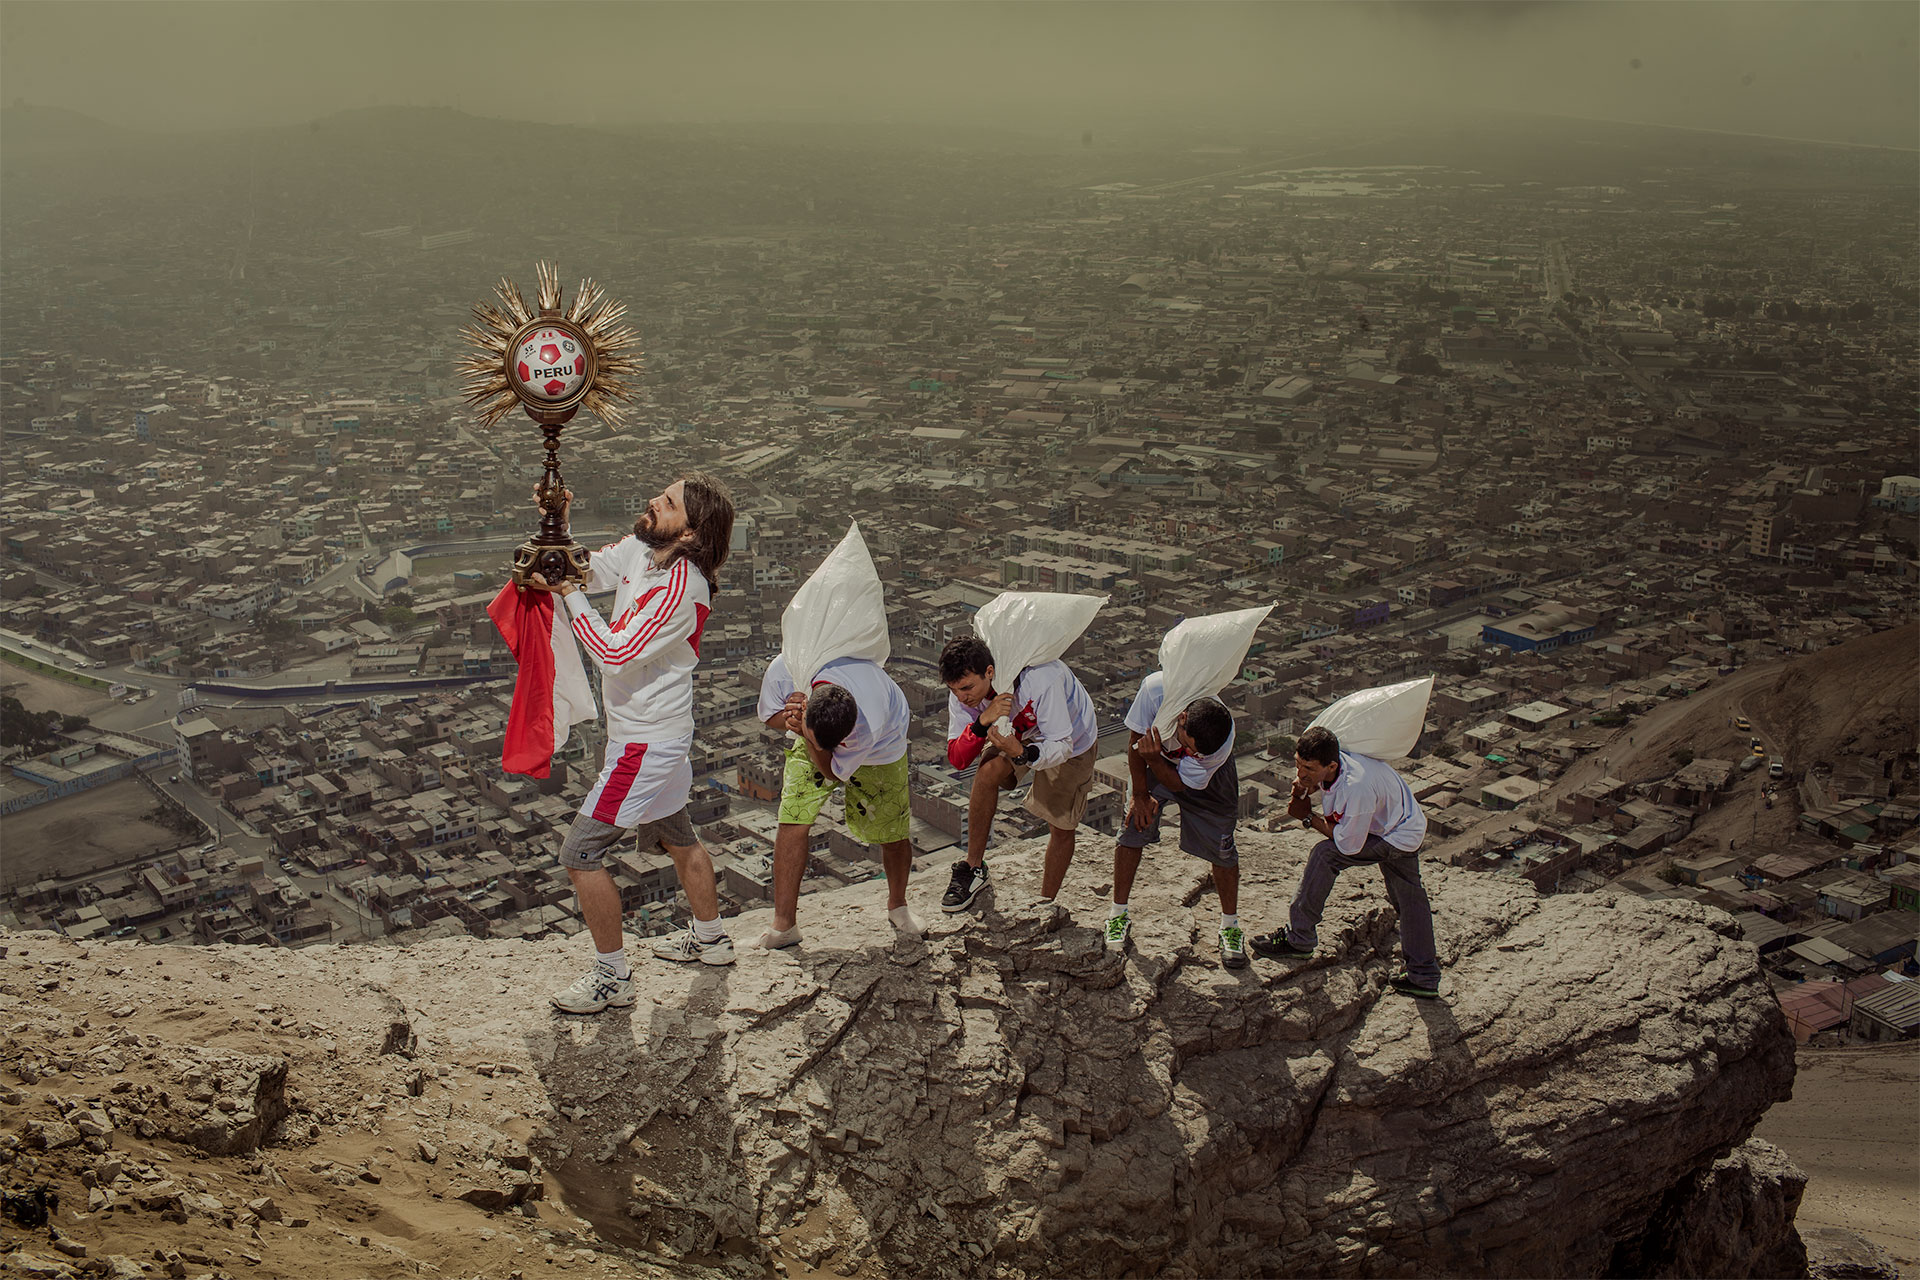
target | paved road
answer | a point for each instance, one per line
(204, 807)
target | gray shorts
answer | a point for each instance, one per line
(588, 839)
(1207, 819)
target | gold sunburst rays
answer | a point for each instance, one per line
(491, 338)
(615, 349)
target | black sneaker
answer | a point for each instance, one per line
(1407, 985)
(1277, 946)
(967, 882)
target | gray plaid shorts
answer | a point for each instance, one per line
(588, 839)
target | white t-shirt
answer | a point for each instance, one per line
(879, 733)
(1195, 771)
(1369, 798)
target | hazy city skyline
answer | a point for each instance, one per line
(1842, 72)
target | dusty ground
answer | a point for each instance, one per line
(347, 1188)
(79, 833)
(1853, 1128)
(39, 692)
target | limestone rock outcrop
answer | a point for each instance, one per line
(1004, 1097)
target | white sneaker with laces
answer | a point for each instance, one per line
(595, 990)
(685, 947)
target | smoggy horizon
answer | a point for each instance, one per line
(1838, 72)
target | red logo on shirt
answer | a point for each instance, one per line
(638, 605)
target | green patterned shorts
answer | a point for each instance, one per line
(877, 806)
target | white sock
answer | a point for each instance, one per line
(614, 962)
(903, 919)
(708, 930)
(1116, 909)
(1229, 921)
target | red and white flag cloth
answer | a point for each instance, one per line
(551, 692)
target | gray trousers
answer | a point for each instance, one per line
(1404, 891)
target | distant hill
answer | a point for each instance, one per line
(26, 129)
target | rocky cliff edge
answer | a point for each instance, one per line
(1003, 1098)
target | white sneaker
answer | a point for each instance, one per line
(595, 990)
(1118, 927)
(685, 947)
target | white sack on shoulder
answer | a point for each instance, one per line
(1201, 656)
(839, 612)
(1382, 722)
(1026, 628)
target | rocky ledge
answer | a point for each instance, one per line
(1002, 1098)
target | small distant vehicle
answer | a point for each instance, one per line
(174, 778)
(1776, 768)
(1743, 724)
(132, 699)
(1759, 747)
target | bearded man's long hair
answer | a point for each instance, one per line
(709, 509)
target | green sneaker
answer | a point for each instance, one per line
(1407, 985)
(1117, 929)
(1233, 951)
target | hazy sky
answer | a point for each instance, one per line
(1830, 69)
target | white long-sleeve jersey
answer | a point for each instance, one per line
(648, 654)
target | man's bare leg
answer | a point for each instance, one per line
(1126, 864)
(1226, 882)
(994, 775)
(599, 906)
(1059, 854)
(896, 858)
(789, 868)
(694, 865)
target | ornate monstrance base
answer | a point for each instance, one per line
(552, 561)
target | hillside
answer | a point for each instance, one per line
(1857, 698)
(1004, 1099)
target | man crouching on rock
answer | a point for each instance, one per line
(1369, 818)
(850, 729)
(1053, 739)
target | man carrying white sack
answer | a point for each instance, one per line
(1053, 739)
(1369, 818)
(660, 576)
(851, 729)
(1196, 772)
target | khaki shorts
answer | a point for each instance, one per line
(589, 838)
(1058, 796)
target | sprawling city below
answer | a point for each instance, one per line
(1604, 427)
